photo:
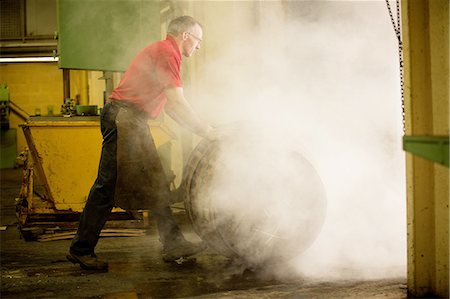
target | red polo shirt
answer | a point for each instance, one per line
(155, 68)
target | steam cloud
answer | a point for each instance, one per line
(320, 78)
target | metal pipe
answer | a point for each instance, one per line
(84, 88)
(18, 111)
(66, 84)
(109, 84)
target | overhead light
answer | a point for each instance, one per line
(28, 59)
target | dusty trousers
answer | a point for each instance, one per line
(130, 176)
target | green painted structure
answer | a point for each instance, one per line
(105, 35)
(8, 148)
(434, 148)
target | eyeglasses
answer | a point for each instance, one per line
(197, 38)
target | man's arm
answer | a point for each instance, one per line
(179, 109)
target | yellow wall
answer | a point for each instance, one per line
(40, 85)
(426, 48)
(32, 86)
(87, 86)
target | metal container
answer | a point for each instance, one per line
(65, 154)
(252, 200)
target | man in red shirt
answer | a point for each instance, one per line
(130, 173)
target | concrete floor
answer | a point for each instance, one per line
(40, 270)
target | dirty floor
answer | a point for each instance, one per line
(32, 269)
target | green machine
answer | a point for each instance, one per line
(105, 35)
(4, 107)
(434, 148)
(8, 144)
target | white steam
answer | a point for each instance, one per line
(323, 81)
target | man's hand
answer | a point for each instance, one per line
(218, 133)
(179, 110)
(213, 134)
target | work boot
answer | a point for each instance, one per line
(181, 249)
(88, 262)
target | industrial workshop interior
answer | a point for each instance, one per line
(327, 176)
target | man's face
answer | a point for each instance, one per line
(192, 40)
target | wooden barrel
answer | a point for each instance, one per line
(252, 201)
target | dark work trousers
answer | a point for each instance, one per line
(101, 197)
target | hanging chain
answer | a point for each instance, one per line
(398, 33)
